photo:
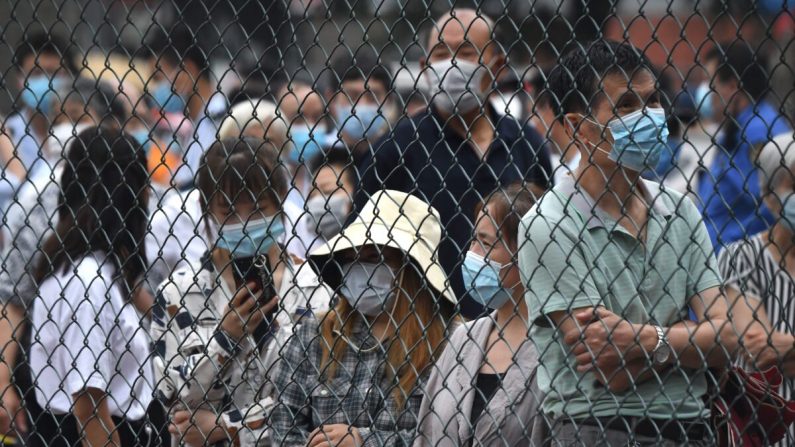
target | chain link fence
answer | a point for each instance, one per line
(415, 222)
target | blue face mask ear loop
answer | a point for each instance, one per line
(604, 129)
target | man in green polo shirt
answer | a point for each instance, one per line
(613, 264)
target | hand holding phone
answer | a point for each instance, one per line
(245, 314)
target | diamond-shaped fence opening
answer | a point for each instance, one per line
(416, 222)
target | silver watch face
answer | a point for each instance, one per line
(662, 353)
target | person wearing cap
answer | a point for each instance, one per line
(356, 375)
(493, 353)
(759, 271)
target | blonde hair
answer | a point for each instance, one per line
(418, 337)
(259, 119)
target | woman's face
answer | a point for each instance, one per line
(490, 245)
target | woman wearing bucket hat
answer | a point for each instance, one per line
(482, 390)
(218, 325)
(355, 377)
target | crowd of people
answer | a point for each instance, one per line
(290, 264)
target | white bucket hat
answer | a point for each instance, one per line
(392, 219)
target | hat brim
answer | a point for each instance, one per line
(358, 234)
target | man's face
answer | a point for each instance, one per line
(302, 105)
(468, 38)
(367, 102)
(35, 82)
(355, 92)
(617, 96)
(333, 179)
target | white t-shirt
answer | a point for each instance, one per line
(177, 235)
(86, 335)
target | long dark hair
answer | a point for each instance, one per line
(102, 206)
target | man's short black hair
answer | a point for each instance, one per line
(176, 46)
(359, 68)
(737, 60)
(575, 81)
(41, 42)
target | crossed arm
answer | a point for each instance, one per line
(764, 346)
(619, 352)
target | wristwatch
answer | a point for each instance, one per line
(662, 351)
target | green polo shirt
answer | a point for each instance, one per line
(573, 255)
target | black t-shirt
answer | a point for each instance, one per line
(421, 156)
(485, 387)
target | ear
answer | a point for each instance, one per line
(423, 63)
(572, 123)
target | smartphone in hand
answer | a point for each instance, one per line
(257, 269)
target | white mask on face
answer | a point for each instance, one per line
(368, 286)
(456, 87)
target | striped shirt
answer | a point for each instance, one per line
(748, 266)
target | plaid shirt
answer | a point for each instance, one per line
(359, 395)
(199, 366)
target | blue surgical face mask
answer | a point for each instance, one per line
(307, 141)
(167, 100)
(142, 137)
(39, 93)
(367, 122)
(482, 278)
(638, 138)
(255, 237)
(703, 99)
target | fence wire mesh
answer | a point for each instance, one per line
(416, 222)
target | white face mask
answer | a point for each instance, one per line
(327, 214)
(456, 87)
(368, 286)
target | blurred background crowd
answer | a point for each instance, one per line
(348, 93)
